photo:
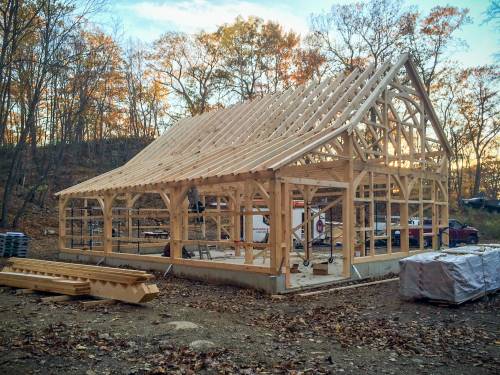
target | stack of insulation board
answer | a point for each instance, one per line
(13, 244)
(452, 276)
(58, 277)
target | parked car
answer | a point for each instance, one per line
(480, 201)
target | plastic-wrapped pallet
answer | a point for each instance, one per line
(453, 276)
(3, 237)
(13, 244)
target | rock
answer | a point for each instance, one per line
(183, 325)
(202, 345)
(104, 336)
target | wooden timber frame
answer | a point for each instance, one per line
(366, 143)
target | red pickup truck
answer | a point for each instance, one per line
(462, 233)
(458, 232)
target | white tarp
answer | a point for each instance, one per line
(455, 275)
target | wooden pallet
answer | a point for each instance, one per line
(105, 282)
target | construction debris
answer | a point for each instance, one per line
(79, 279)
(323, 291)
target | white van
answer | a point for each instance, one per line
(261, 224)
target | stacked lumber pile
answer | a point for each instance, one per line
(45, 283)
(77, 279)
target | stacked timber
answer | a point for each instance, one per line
(105, 282)
(45, 283)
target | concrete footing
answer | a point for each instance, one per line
(265, 283)
(375, 269)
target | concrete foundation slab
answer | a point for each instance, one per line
(265, 283)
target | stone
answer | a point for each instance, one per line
(201, 345)
(183, 325)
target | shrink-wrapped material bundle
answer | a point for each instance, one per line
(453, 276)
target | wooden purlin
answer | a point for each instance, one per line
(249, 126)
(274, 110)
(248, 123)
(324, 100)
(268, 116)
(261, 135)
(295, 108)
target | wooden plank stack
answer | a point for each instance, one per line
(45, 283)
(77, 279)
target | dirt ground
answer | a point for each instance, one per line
(197, 328)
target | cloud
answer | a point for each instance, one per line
(193, 16)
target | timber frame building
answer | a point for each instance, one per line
(365, 148)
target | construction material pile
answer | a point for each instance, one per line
(79, 279)
(453, 276)
(13, 244)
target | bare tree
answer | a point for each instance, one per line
(479, 107)
(54, 22)
(355, 34)
(188, 65)
(428, 39)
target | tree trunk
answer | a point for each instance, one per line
(477, 177)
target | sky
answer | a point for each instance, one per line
(146, 20)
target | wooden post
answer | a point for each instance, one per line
(445, 237)
(286, 210)
(62, 222)
(108, 222)
(362, 215)
(404, 233)
(372, 215)
(275, 238)
(204, 222)
(307, 225)
(348, 208)
(388, 214)
(85, 230)
(435, 217)
(218, 220)
(236, 222)
(176, 202)
(185, 219)
(248, 224)
(421, 214)
(128, 217)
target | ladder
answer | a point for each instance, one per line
(198, 232)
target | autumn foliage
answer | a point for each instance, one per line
(65, 82)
